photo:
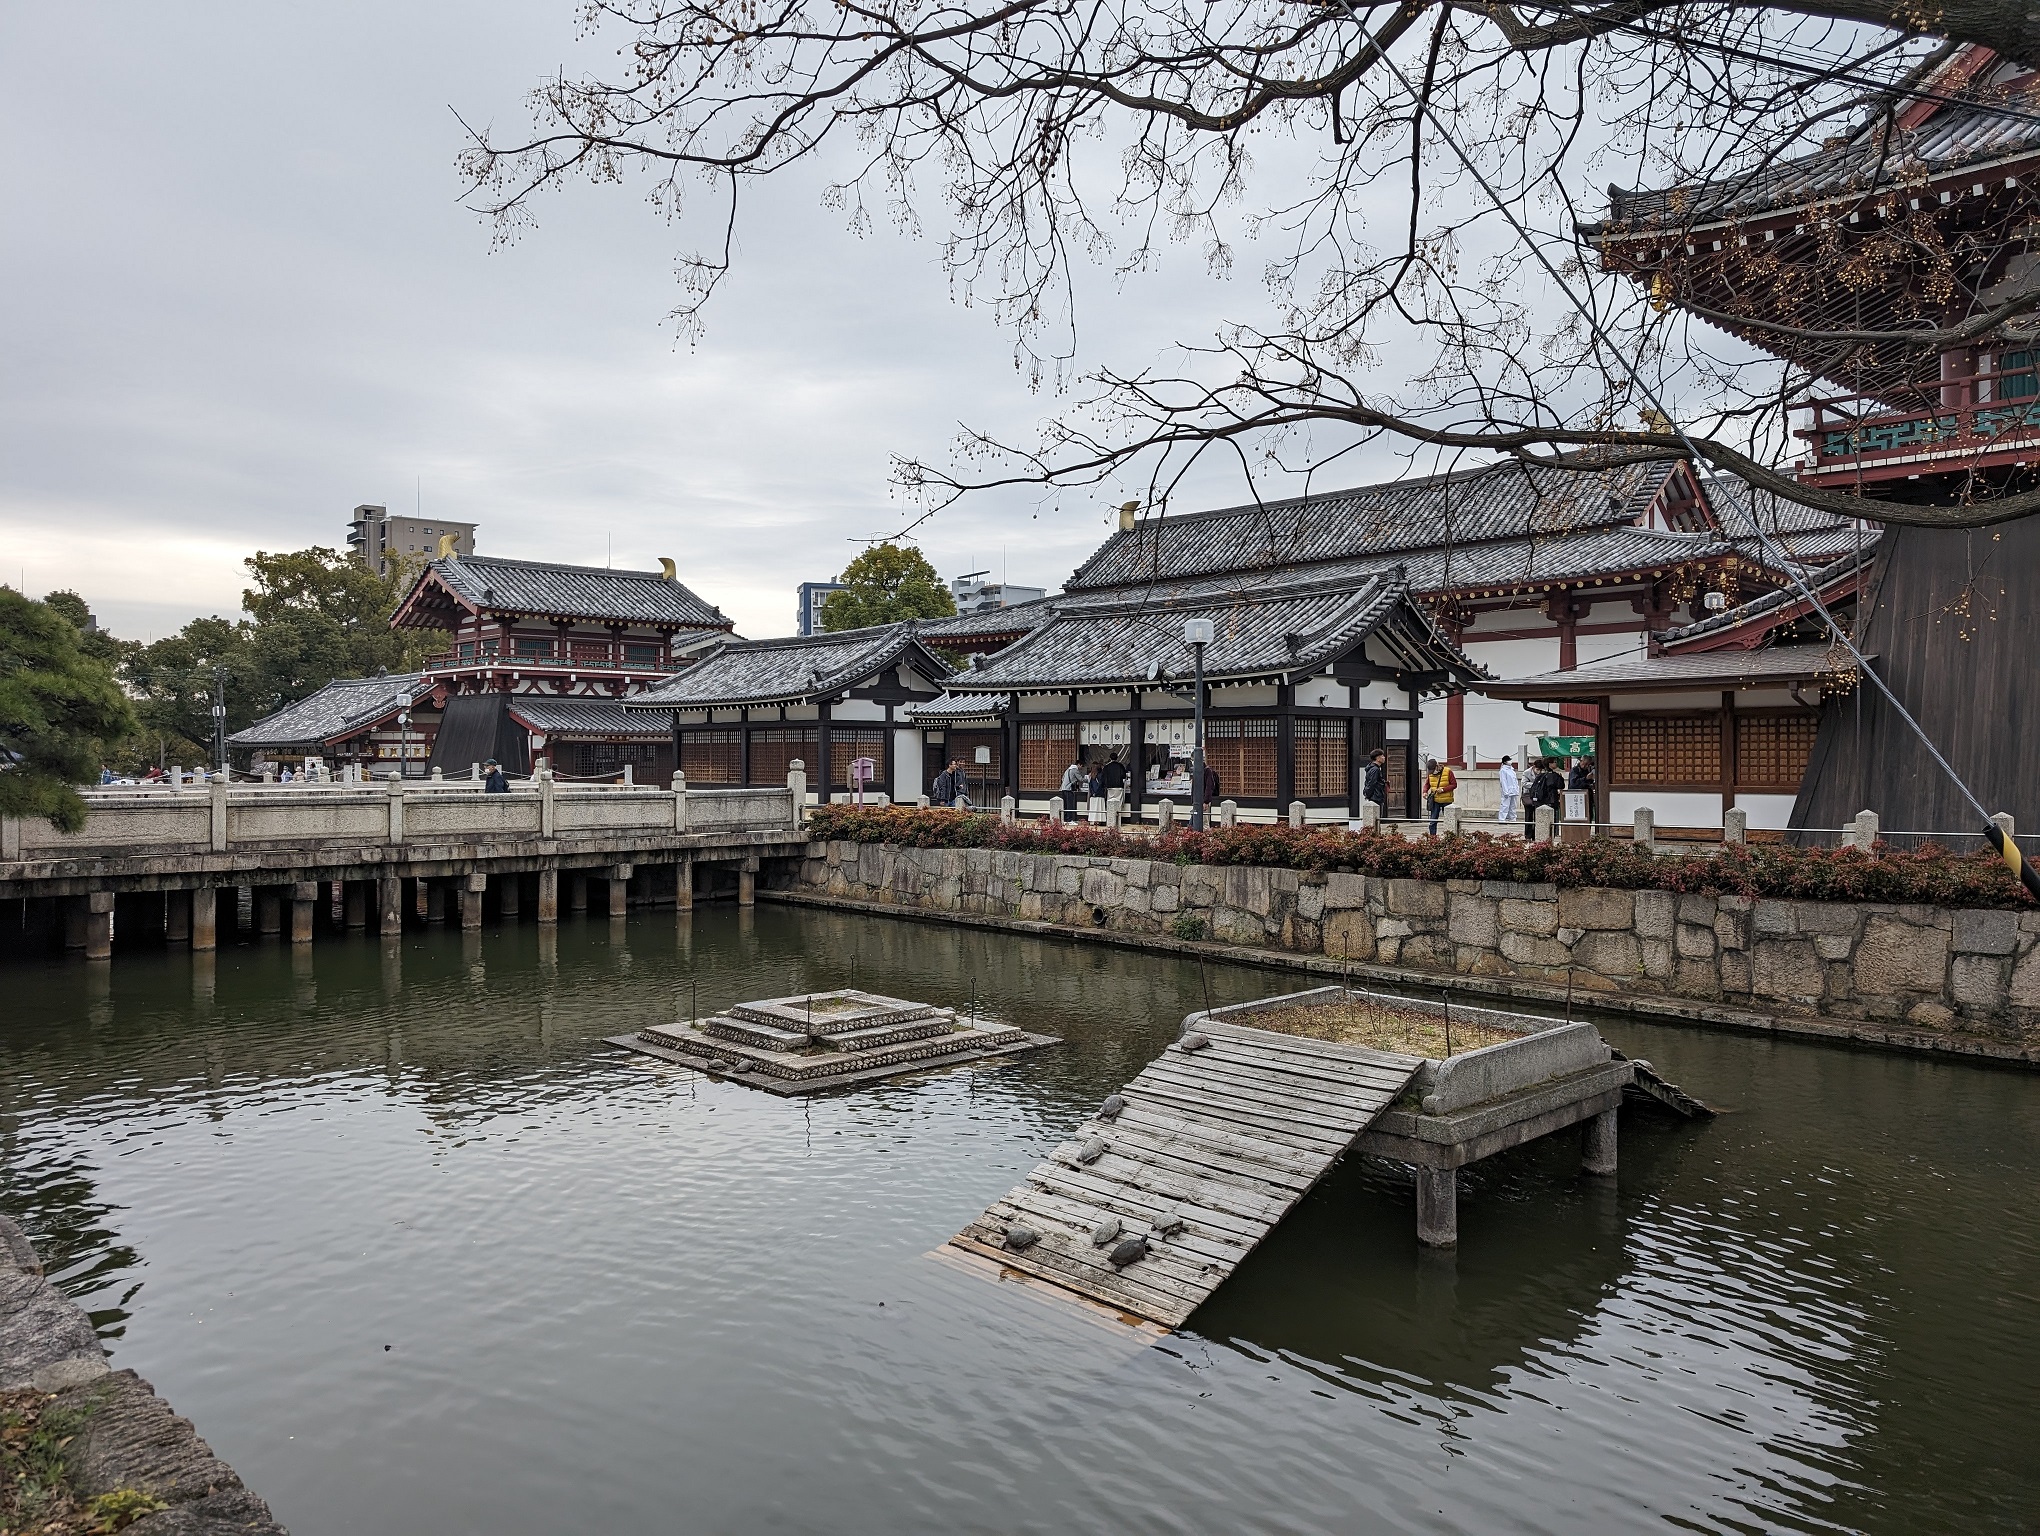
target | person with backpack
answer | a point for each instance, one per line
(1546, 788)
(1374, 782)
(1441, 786)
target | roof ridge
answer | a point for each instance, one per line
(556, 565)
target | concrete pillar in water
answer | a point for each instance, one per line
(577, 893)
(75, 913)
(683, 885)
(304, 901)
(619, 889)
(355, 903)
(269, 906)
(471, 890)
(1599, 1152)
(435, 899)
(1438, 1207)
(205, 919)
(510, 894)
(389, 904)
(99, 926)
(177, 917)
(421, 899)
(548, 896)
(747, 883)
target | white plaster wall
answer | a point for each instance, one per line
(1496, 726)
(1322, 693)
(906, 746)
(1670, 809)
(1772, 812)
(857, 709)
(1044, 703)
(1261, 695)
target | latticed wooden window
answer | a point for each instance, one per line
(1047, 747)
(1321, 755)
(1771, 750)
(712, 757)
(1243, 752)
(845, 746)
(965, 744)
(1664, 750)
(774, 749)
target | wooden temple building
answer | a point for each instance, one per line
(1919, 218)
(371, 724)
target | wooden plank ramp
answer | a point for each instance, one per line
(1222, 1140)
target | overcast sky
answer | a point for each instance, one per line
(242, 296)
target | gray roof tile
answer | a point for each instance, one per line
(796, 668)
(336, 711)
(553, 591)
(595, 717)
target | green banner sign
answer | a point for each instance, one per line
(1566, 746)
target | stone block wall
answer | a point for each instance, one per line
(1932, 968)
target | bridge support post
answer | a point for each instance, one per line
(389, 904)
(747, 882)
(1599, 1151)
(471, 890)
(75, 914)
(304, 904)
(1438, 1207)
(619, 889)
(683, 885)
(354, 903)
(99, 926)
(577, 893)
(269, 909)
(432, 897)
(548, 896)
(205, 919)
(510, 895)
(177, 917)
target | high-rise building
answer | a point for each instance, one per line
(974, 594)
(808, 619)
(378, 538)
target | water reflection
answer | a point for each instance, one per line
(619, 1295)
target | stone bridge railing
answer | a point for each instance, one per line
(221, 818)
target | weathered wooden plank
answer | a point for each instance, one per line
(1192, 1255)
(1237, 1210)
(1331, 1074)
(1162, 1272)
(1144, 1301)
(1159, 1120)
(1277, 1043)
(1193, 1104)
(1154, 1137)
(1343, 1097)
(1275, 1092)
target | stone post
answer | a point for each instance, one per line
(1228, 813)
(1547, 823)
(1448, 821)
(679, 801)
(546, 820)
(269, 773)
(354, 904)
(1438, 1201)
(1735, 825)
(510, 895)
(1643, 828)
(548, 897)
(177, 917)
(920, 802)
(1165, 815)
(1055, 808)
(683, 884)
(1296, 814)
(471, 890)
(99, 926)
(1863, 833)
(2005, 824)
(1009, 808)
(796, 788)
(396, 809)
(219, 813)
(75, 913)
(205, 918)
(475, 773)
(577, 892)
(629, 781)
(747, 882)
(389, 904)
(269, 907)
(1370, 816)
(439, 775)
(304, 901)
(432, 894)
(1598, 1154)
(619, 889)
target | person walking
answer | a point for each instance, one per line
(1441, 787)
(1512, 791)
(1374, 782)
(1546, 788)
(494, 782)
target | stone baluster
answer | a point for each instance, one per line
(1228, 813)
(1165, 815)
(680, 801)
(796, 787)
(1296, 809)
(1643, 828)
(1547, 823)
(1009, 808)
(1735, 826)
(1055, 807)
(1448, 821)
(1863, 831)
(1370, 816)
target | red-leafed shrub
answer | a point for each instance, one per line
(1931, 875)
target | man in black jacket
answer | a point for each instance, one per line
(1545, 788)
(1374, 784)
(493, 781)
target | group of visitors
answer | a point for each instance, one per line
(1545, 785)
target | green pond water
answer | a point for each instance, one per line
(420, 1254)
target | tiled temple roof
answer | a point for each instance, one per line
(1265, 629)
(593, 717)
(545, 590)
(956, 633)
(336, 711)
(1689, 669)
(1837, 580)
(794, 669)
(953, 706)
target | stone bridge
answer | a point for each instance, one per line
(163, 863)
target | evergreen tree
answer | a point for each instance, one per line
(60, 710)
(883, 585)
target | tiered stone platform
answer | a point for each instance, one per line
(823, 1040)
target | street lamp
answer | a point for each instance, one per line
(219, 718)
(1197, 634)
(403, 743)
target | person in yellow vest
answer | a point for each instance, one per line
(1439, 788)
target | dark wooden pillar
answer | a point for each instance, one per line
(818, 773)
(1285, 749)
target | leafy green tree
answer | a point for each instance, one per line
(59, 710)
(883, 585)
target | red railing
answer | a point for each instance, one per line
(1975, 419)
(450, 661)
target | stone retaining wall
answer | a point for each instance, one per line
(1932, 968)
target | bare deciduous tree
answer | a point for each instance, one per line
(1420, 171)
